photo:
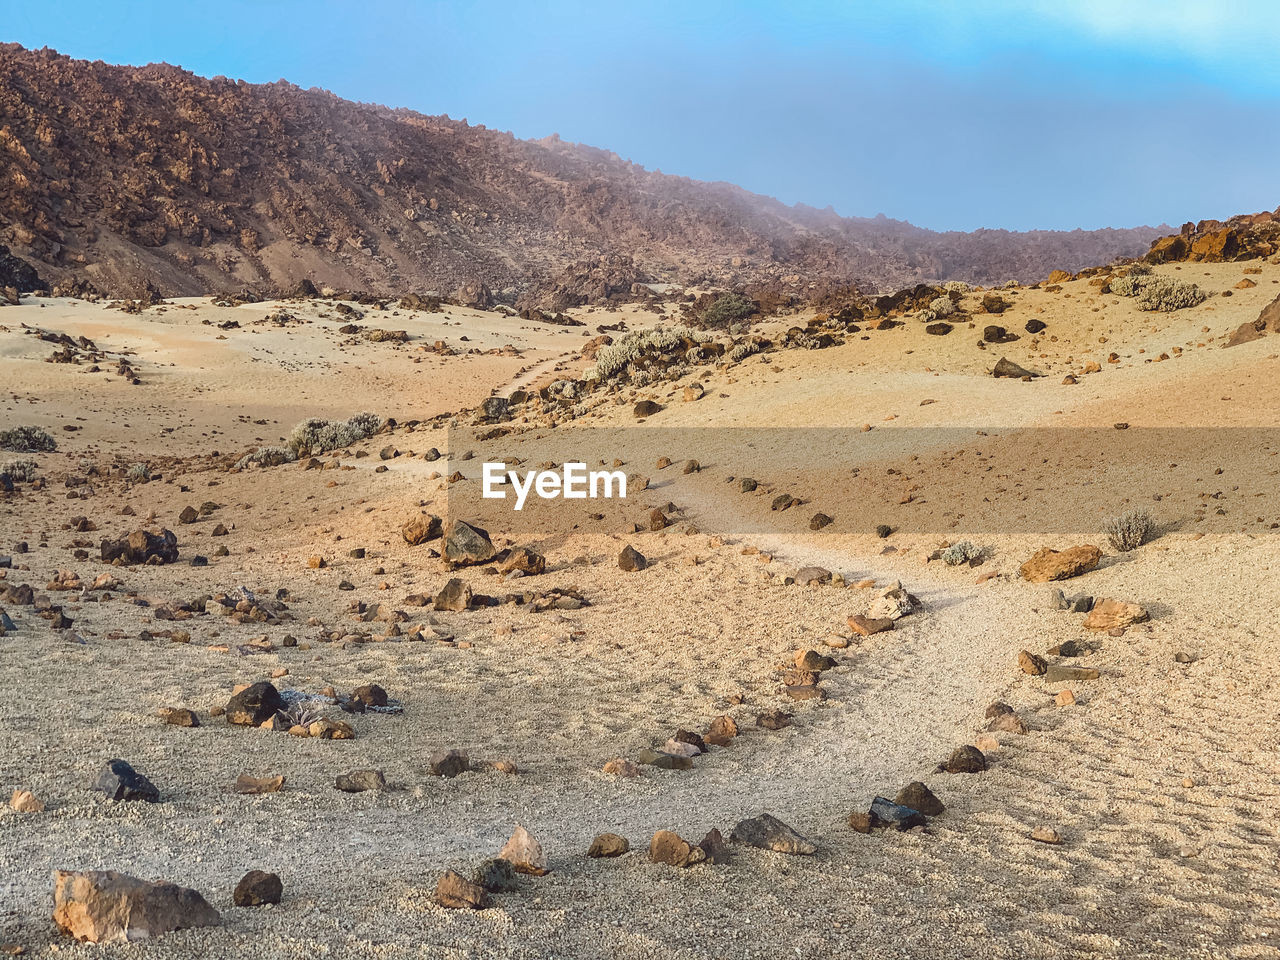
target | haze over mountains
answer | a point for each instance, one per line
(124, 175)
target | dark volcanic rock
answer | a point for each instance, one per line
(257, 887)
(120, 781)
(255, 704)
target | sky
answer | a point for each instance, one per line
(1018, 114)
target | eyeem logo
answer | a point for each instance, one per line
(573, 482)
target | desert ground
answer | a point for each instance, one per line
(1159, 781)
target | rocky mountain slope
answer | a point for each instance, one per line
(123, 176)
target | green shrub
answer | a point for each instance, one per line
(27, 440)
(317, 435)
(613, 360)
(138, 473)
(728, 309)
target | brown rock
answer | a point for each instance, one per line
(621, 768)
(254, 785)
(1065, 698)
(861, 822)
(524, 853)
(1046, 835)
(455, 596)
(179, 717)
(456, 892)
(1007, 723)
(418, 530)
(865, 626)
(965, 759)
(919, 797)
(1113, 614)
(722, 731)
(608, 845)
(256, 888)
(714, 846)
(630, 560)
(24, 801)
(1047, 564)
(1031, 664)
(101, 906)
(668, 847)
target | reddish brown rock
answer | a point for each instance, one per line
(102, 906)
(1048, 564)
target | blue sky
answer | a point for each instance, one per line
(987, 113)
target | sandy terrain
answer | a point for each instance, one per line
(1161, 779)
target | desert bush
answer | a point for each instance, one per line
(956, 286)
(267, 457)
(613, 360)
(21, 471)
(1129, 530)
(728, 309)
(317, 435)
(138, 473)
(1156, 292)
(743, 350)
(961, 553)
(27, 440)
(942, 307)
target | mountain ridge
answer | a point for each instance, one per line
(126, 176)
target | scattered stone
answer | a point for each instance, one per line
(646, 408)
(917, 796)
(608, 845)
(722, 731)
(141, 547)
(866, 626)
(664, 761)
(769, 833)
(774, 720)
(885, 813)
(246, 784)
(359, 781)
(466, 545)
(450, 763)
(525, 853)
(965, 759)
(668, 847)
(24, 801)
(819, 521)
(254, 705)
(257, 888)
(189, 515)
(1114, 614)
(714, 846)
(1058, 673)
(621, 768)
(808, 575)
(1065, 698)
(496, 875)
(120, 781)
(456, 596)
(1048, 564)
(1032, 664)
(997, 709)
(813, 661)
(862, 822)
(456, 892)
(179, 717)
(102, 906)
(1046, 835)
(893, 604)
(1008, 723)
(630, 560)
(418, 530)
(526, 561)
(1007, 368)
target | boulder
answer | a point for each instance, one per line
(465, 544)
(524, 853)
(885, 813)
(631, 560)
(1269, 318)
(1245, 333)
(965, 759)
(141, 546)
(919, 797)
(256, 888)
(456, 892)
(497, 876)
(360, 781)
(119, 781)
(1032, 664)
(450, 763)
(646, 408)
(1007, 368)
(102, 906)
(454, 596)
(418, 530)
(254, 705)
(1047, 564)
(769, 833)
(669, 848)
(1110, 614)
(608, 845)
